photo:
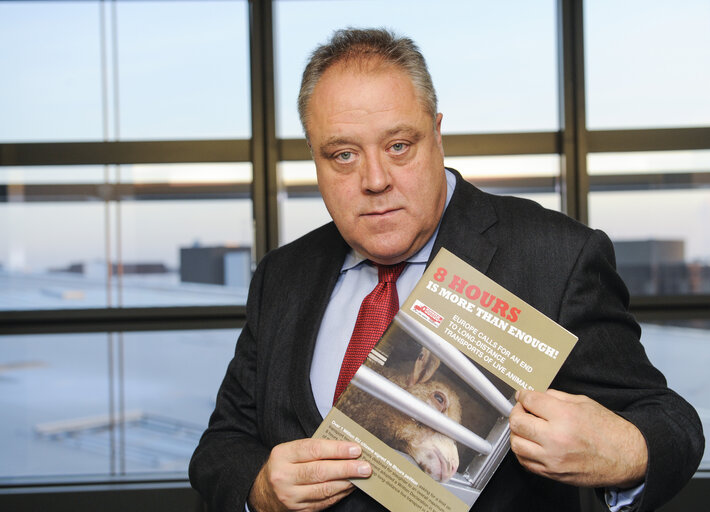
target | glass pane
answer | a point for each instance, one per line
(59, 393)
(50, 87)
(176, 174)
(682, 353)
(184, 252)
(662, 245)
(171, 382)
(184, 70)
(662, 241)
(54, 174)
(180, 235)
(493, 63)
(302, 210)
(646, 63)
(41, 244)
(50, 384)
(533, 177)
(648, 162)
(506, 166)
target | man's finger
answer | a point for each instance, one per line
(331, 470)
(525, 448)
(305, 450)
(328, 500)
(532, 465)
(540, 404)
(526, 425)
(323, 483)
(314, 496)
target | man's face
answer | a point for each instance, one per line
(379, 160)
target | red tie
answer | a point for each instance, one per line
(376, 313)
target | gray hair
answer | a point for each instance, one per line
(366, 44)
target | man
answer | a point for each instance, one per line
(368, 108)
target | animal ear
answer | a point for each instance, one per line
(424, 367)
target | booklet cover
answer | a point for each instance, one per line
(430, 405)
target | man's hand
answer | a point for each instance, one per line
(573, 439)
(307, 474)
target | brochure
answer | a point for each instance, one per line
(430, 404)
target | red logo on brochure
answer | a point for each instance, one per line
(427, 313)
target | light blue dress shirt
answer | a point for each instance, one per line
(357, 279)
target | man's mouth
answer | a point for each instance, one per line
(382, 213)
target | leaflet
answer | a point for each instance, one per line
(430, 404)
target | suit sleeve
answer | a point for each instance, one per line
(610, 365)
(230, 453)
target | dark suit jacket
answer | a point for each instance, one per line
(559, 266)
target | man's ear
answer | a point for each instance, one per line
(437, 131)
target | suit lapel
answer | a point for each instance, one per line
(326, 263)
(469, 215)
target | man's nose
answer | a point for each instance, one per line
(375, 175)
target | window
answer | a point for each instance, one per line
(53, 91)
(663, 245)
(107, 404)
(493, 64)
(126, 224)
(493, 68)
(645, 64)
(181, 70)
(535, 177)
(129, 178)
(152, 235)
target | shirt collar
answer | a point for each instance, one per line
(353, 258)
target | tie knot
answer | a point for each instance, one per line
(389, 273)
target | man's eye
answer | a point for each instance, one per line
(344, 156)
(398, 147)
